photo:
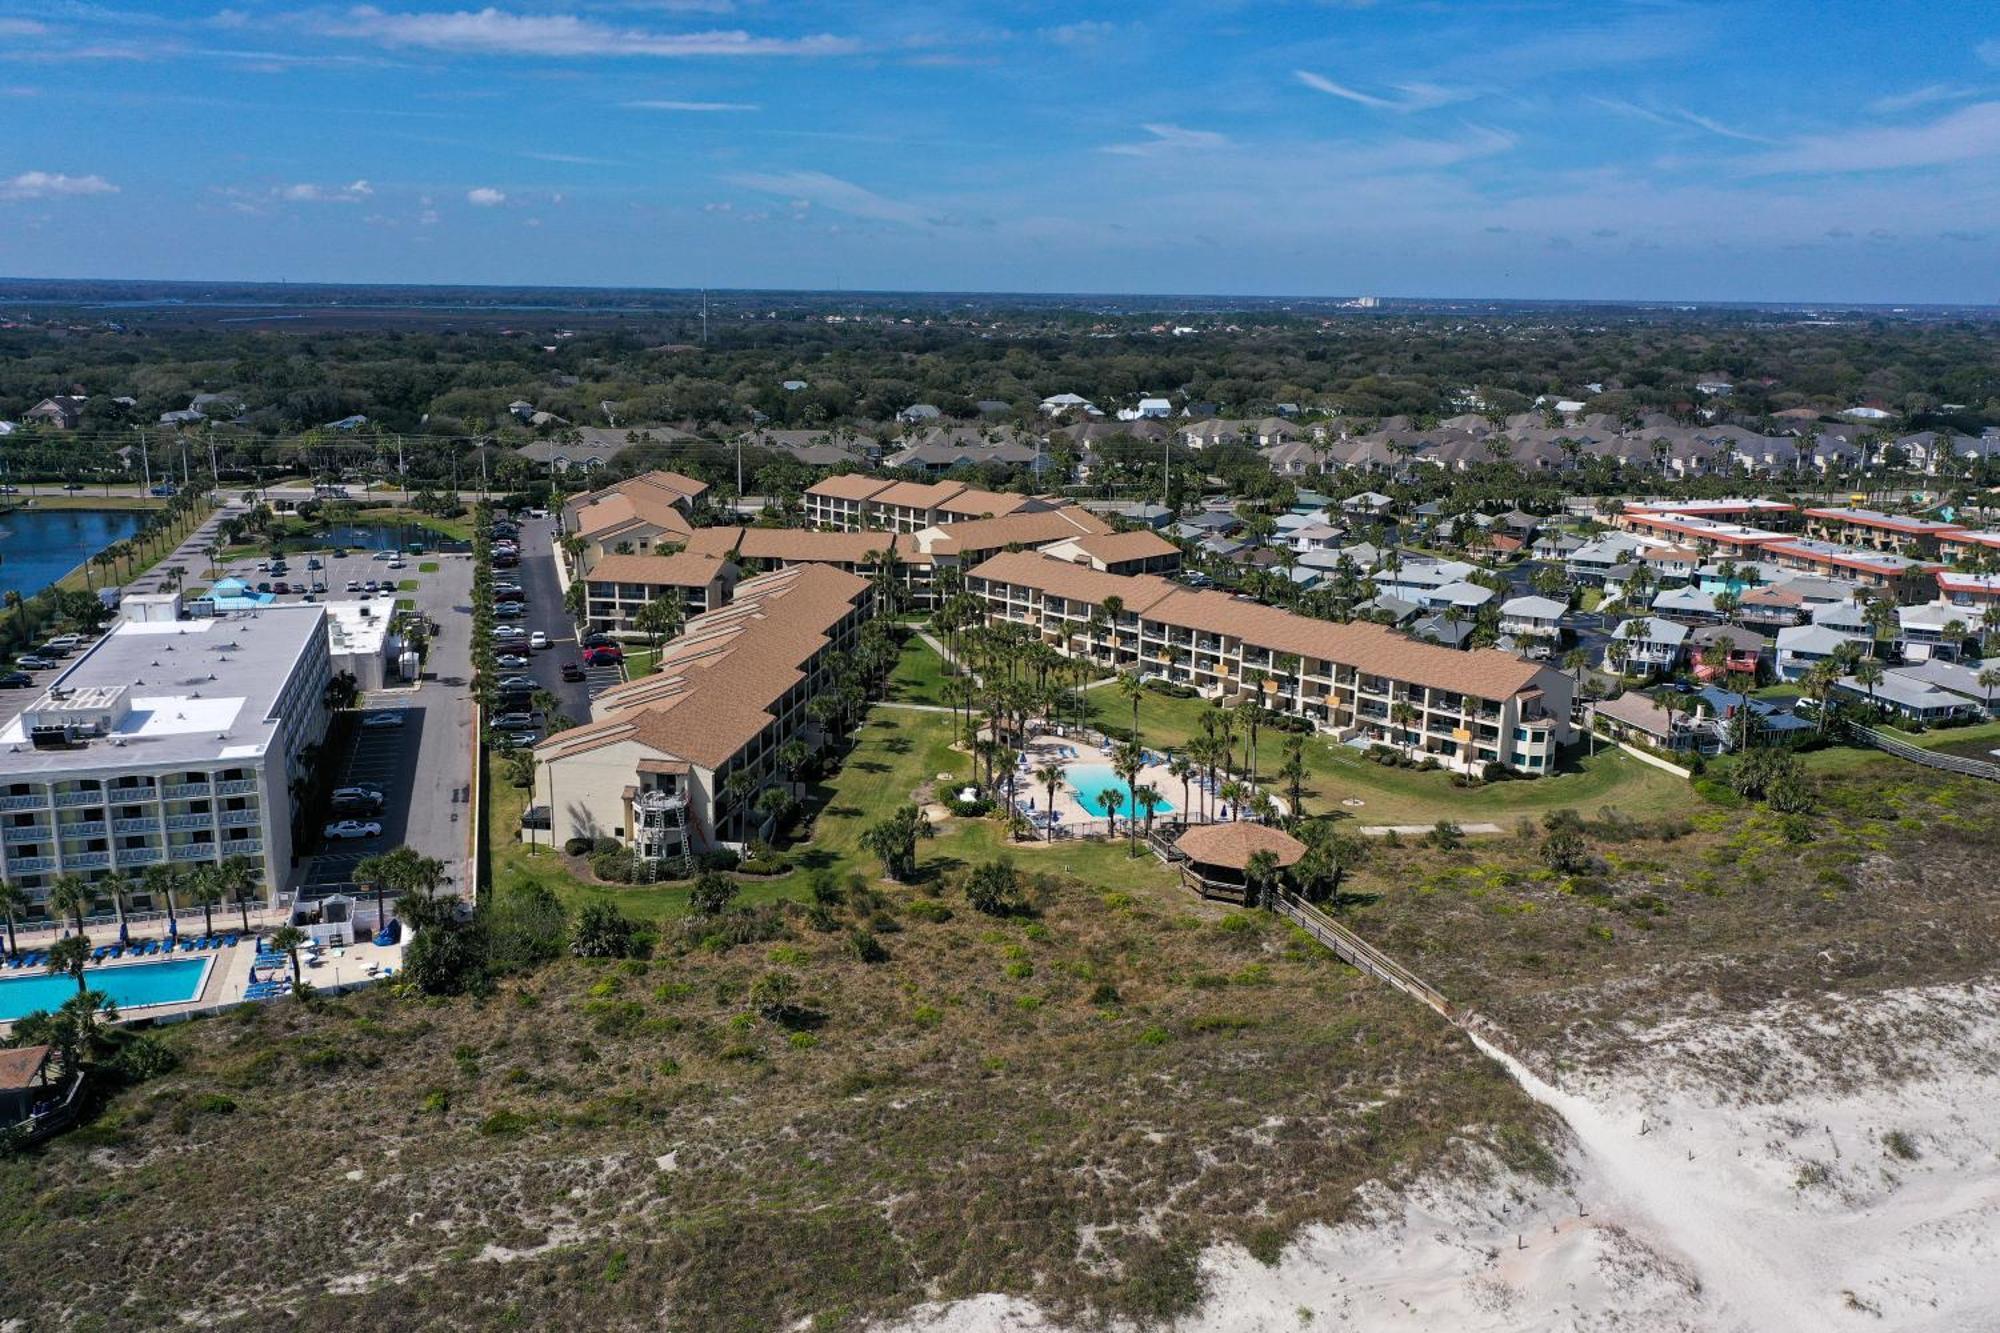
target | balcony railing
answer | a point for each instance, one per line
(194, 851)
(182, 791)
(140, 856)
(86, 860)
(29, 865)
(87, 828)
(142, 824)
(180, 822)
(29, 833)
(28, 802)
(241, 818)
(236, 787)
(66, 799)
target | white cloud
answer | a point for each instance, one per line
(49, 184)
(1415, 96)
(655, 104)
(1965, 135)
(21, 28)
(492, 32)
(1084, 32)
(485, 197)
(1675, 117)
(1168, 139)
(572, 159)
(1717, 127)
(308, 193)
(843, 196)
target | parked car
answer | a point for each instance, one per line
(16, 680)
(10, 490)
(396, 563)
(509, 610)
(383, 555)
(341, 830)
(538, 640)
(597, 639)
(388, 717)
(609, 655)
(372, 795)
(508, 633)
(33, 662)
(528, 683)
(265, 586)
(354, 585)
(281, 586)
(517, 721)
(511, 662)
(340, 553)
(313, 562)
(572, 671)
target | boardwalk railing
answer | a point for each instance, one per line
(1917, 754)
(1351, 948)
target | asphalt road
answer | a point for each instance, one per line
(537, 576)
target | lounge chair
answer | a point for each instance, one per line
(229, 940)
(97, 954)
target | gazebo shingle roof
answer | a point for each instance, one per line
(1232, 845)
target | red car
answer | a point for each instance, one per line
(609, 655)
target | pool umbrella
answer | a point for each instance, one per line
(124, 935)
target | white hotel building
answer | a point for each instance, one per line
(168, 741)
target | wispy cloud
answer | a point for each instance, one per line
(307, 193)
(659, 104)
(1928, 95)
(1965, 135)
(52, 184)
(1675, 117)
(1169, 139)
(842, 196)
(485, 196)
(11, 27)
(1413, 96)
(572, 159)
(1990, 51)
(493, 32)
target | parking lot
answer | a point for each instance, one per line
(537, 576)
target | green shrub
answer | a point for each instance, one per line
(504, 1123)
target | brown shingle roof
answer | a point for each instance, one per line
(919, 494)
(683, 569)
(1078, 583)
(19, 1066)
(848, 486)
(796, 545)
(1030, 529)
(1232, 845)
(1115, 548)
(977, 504)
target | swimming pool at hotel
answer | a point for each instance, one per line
(130, 985)
(1089, 780)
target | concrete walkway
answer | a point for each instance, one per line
(1419, 830)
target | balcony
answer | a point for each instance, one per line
(242, 818)
(244, 847)
(181, 822)
(143, 824)
(29, 802)
(185, 791)
(193, 851)
(29, 833)
(85, 860)
(140, 856)
(236, 787)
(29, 865)
(88, 828)
(66, 799)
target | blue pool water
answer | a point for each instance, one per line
(129, 985)
(1087, 780)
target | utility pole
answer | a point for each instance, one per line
(1167, 473)
(739, 467)
(187, 478)
(145, 463)
(402, 473)
(214, 470)
(704, 319)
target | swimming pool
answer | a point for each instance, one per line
(1088, 780)
(130, 985)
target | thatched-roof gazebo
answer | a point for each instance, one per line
(1218, 856)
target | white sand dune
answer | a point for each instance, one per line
(1782, 1170)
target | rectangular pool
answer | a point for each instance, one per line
(130, 985)
(1088, 780)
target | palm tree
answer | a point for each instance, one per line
(1050, 775)
(1868, 673)
(1144, 798)
(1126, 763)
(288, 939)
(1233, 793)
(13, 901)
(1260, 875)
(1133, 689)
(206, 887)
(159, 882)
(70, 954)
(1989, 679)
(1179, 767)
(239, 876)
(1109, 800)
(69, 894)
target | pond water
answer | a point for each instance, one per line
(373, 537)
(39, 546)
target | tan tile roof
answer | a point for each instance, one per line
(1078, 583)
(621, 511)
(1118, 547)
(1485, 673)
(1232, 845)
(848, 486)
(718, 680)
(797, 544)
(919, 494)
(717, 541)
(683, 569)
(1030, 529)
(978, 504)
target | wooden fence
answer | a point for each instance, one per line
(1917, 754)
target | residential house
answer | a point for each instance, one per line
(1120, 552)
(62, 412)
(1933, 630)
(1802, 647)
(1877, 531)
(1646, 646)
(1742, 651)
(1908, 696)
(1533, 617)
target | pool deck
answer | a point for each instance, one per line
(1074, 751)
(229, 970)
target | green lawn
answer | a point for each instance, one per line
(919, 675)
(428, 567)
(1406, 796)
(1847, 758)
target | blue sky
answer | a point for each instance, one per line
(1750, 151)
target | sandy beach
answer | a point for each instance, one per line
(1784, 1169)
